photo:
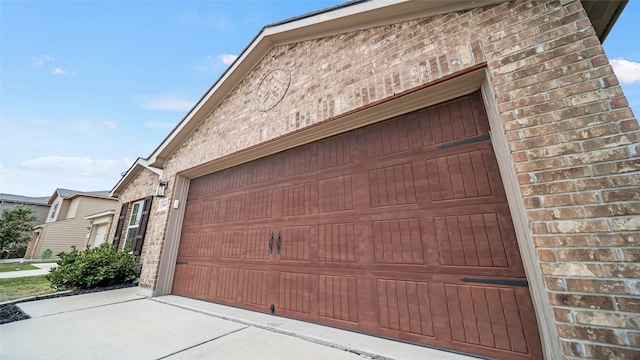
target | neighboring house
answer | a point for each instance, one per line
(66, 225)
(438, 172)
(99, 226)
(39, 205)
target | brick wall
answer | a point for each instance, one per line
(574, 144)
(572, 137)
(143, 185)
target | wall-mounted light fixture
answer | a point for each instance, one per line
(161, 189)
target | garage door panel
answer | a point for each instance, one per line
(235, 208)
(486, 316)
(398, 241)
(295, 292)
(454, 120)
(254, 287)
(391, 137)
(191, 280)
(231, 246)
(227, 284)
(458, 176)
(299, 199)
(293, 243)
(264, 170)
(197, 245)
(471, 240)
(335, 194)
(334, 151)
(338, 298)
(260, 204)
(405, 306)
(392, 185)
(257, 240)
(301, 160)
(337, 243)
(237, 177)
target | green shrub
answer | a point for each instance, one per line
(93, 267)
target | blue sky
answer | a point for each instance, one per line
(87, 87)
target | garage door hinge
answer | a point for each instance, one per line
(466, 141)
(522, 283)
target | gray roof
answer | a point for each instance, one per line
(66, 193)
(27, 200)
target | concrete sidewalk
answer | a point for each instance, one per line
(44, 269)
(119, 324)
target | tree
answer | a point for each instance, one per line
(16, 225)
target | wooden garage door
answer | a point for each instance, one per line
(400, 229)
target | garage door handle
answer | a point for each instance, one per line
(271, 243)
(278, 242)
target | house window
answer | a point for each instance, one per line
(54, 209)
(134, 223)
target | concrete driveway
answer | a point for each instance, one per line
(120, 324)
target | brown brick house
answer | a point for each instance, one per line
(438, 172)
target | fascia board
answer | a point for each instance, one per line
(138, 165)
(91, 196)
(53, 197)
(364, 16)
(100, 214)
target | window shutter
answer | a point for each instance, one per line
(121, 220)
(142, 230)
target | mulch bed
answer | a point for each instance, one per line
(10, 312)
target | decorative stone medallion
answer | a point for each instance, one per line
(272, 89)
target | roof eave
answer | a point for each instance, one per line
(91, 196)
(128, 176)
(603, 15)
(53, 197)
(100, 214)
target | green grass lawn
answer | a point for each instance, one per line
(18, 288)
(7, 267)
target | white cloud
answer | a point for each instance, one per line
(227, 59)
(76, 165)
(99, 127)
(39, 61)
(216, 63)
(2, 168)
(159, 125)
(628, 72)
(59, 71)
(170, 102)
